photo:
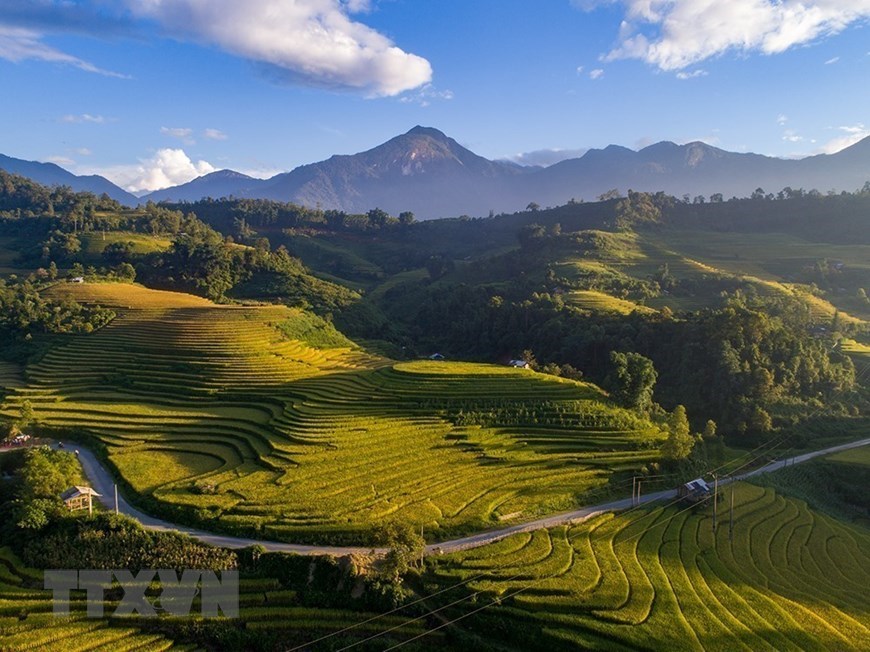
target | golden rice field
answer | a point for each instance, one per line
(659, 578)
(213, 411)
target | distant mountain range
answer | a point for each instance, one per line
(427, 172)
(49, 174)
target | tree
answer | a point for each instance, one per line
(679, 444)
(404, 548)
(631, 380)
(406, 218)
(534, 207)
(126, 272)
(26, 416)
(52, 271)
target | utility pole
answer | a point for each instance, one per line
(731, 515)
(715, 499)
(116, 498)
(638, 492)
(633, 489)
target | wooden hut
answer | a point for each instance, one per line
(76, 498)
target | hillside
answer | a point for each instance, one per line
(264, 419)
(661, 578)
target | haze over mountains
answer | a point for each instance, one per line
(50, 174)
(427, 172)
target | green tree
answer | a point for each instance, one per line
(631, 380)
(404, 549)
(679, 444)
(25, 418)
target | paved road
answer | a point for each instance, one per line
(101, 480)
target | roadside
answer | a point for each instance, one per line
(103, 483)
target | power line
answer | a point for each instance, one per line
(770, 445)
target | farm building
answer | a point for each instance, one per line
(436, 356)
(76, 498)
(519, 364)
(696, 491)
(77, 279)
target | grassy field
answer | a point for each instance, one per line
(224, 412)
(792, 578)
(94, 243)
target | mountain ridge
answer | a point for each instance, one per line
(431, 174)
(51, 174)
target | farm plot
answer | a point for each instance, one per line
(791, 578)
(213, 412)
(266, 610)
(27, 622)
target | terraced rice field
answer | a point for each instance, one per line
(27, 621)
(659, 578)
(602, 302)
(210, 408)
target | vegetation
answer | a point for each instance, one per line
(661, 578)
(257, 433)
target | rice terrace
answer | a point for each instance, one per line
(284, 367)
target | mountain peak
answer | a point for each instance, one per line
(427, 131)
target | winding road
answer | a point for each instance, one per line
(102, 482)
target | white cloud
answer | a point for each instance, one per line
(675, 34)
(791, 136)
(781, 119)
(214, 134)
(17, 44)
(426, 95)
(832, 60)
(168, 167)
(598, 73)
(61, 160)
(853, 134)
(691, 75)
(183, 134)
(579, 70)
(83, 151)
(83, 118)
(545, 157)
(304, 41)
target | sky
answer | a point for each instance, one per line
(153, 93)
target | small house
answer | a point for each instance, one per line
(436, 356)
(76, 498)
(519, 364)
(696, 491)
(77, 279)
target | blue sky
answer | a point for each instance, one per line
(152, 93)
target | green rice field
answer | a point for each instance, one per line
(789, 578)
(215, 414)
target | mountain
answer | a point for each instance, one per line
(427, 172)
(50, 174)
(223, 183)
(430, 174)
(423, 171)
